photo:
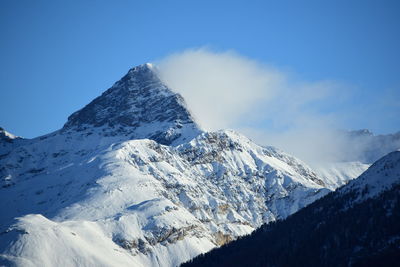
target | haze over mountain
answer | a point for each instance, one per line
(274, 106)
(359, 149)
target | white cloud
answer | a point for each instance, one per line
(227, 90)
(220, 88)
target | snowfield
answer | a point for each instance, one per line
(143, 203)
(132, 180)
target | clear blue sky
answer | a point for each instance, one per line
(56, 56)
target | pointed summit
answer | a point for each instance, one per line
(6, 136)
(139, 105)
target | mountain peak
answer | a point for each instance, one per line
(143, 67)
(6, 136)
(143, 72)
(381, 176)
(139, 105)
(361, 132)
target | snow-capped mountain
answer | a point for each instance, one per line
(382, 176)
(6, 137)
(7, 141)
(357, 225)
(361, 148)
(138, 106)
(371, 147)
(131, 180)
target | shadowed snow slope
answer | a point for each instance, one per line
(132, 180)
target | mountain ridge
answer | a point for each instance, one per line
(154, 193)
(356, 225)
(133, 105)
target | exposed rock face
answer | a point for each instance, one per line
(222, 239)
(358, 225)
(148, 198)
(141, 106)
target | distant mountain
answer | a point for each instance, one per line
(131, 179)
(358, 225)
(371, 147)
(337, 174)
(360, 149)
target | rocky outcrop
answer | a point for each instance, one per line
(138, 106)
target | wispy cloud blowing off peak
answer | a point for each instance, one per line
(227, 90)
(220, 88)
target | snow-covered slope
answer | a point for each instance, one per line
(357, 225)
(336, 174)
(361, 149)
(132, 180)
(383, 175)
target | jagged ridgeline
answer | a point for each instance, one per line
(139, 106)
(358, 225)
(132, 180)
